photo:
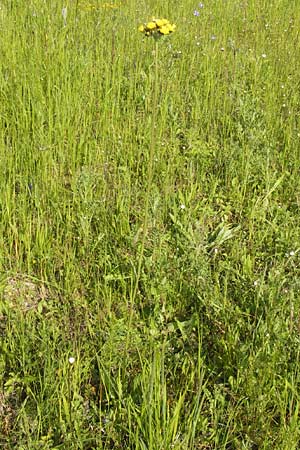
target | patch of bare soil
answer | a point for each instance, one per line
(21, 291)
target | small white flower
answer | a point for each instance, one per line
(182, 206)
(264, 56)
(292, 253)
(71, 360)
(256, 283)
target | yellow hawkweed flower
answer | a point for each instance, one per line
(91, 6)
(157, 27)
(151, 25)
(164, 30)
(110, 6)
(161, 22)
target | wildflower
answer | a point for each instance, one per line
(92, 6)
(110, 6)
(71, 360)
(151, 26)
(161, 22)
(196, 12)
(157, 27)
(166, 29)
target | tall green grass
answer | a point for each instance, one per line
(149, 226)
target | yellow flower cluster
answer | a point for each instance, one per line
(157, 26)
(88, 6)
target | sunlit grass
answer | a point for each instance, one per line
(149, 226)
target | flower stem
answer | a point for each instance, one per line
(149, 173)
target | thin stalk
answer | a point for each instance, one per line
(148, 191)
(149, 173)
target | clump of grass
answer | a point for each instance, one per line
(149, 226)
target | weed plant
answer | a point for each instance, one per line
(149, 232)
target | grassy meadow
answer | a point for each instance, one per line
(149, 225)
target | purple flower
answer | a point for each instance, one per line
(196, 13)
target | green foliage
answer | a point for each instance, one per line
(149, 201)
